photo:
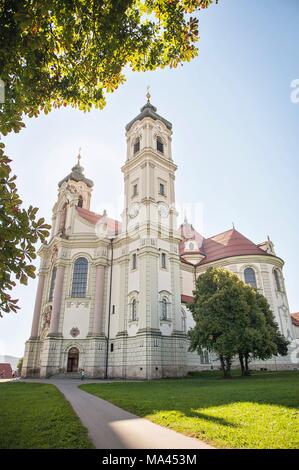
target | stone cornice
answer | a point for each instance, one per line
(241, 259)
(147, 154)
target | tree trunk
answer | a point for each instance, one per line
(247, 371)
(222, 364)
(228, 367)
(241, 359)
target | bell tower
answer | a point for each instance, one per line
(149, 173)
(152, 318)
(73, 191)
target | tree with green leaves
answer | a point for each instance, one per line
(221, 313)
(233, 320)
(56, 53)
(20, 230)
(19, 366)
(262, 338)
(72, 53)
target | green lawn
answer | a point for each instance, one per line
(35, 416)
(261, 411)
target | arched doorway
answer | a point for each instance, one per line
(73, 360)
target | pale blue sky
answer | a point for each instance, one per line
(235, 140)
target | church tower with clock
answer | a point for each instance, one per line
(112, 296)
(154, 329)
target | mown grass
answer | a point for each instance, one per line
(37, 416)
(260, 411)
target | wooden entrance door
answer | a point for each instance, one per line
(73, 360)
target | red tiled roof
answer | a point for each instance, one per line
(222, 245)
(185, 299)
(227, 244)
(114, 226)
(187, 233)
(295, 318)
(5, 370)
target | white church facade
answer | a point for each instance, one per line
(112, 296)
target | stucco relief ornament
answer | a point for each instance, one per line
(74, 332)
(54, 253)
(72, 189)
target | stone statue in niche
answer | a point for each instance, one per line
(47, 317)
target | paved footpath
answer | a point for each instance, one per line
(111, 427)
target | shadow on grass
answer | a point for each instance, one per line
(212, 419)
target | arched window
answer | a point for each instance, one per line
(136, 145)
(249, 276)
(80, 277)
(62, 218)
(277, 280)
(184, 322)
(134, 261)
(134, 310)
(164, 309)
(206, 357)
(80, 201)
(52, 284)
(160, 145)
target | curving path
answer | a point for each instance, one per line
(111, 427)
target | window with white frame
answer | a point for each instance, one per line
(160, 145)
(80, 201)
(163, 261)
(135, 190)
(80, 272)
(136, 146)
(250, 277)
(164, 308)
(277, 280)
(134, 310)
(184, 320)
(204, 357)
(62, 219)
(162, 189)
(134, 261)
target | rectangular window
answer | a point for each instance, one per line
(111, 347)
(162, 189)
(113, 309)
(163, 260)
(135, 190)
(134, 261)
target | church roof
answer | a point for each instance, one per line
(223, 245)
(227, 244)
(77, 175)
(295, 318)
(148, 110)
(188, 233)
(114, 226)
(5, 370)
(186, 299)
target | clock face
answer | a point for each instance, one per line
(133, 211)
(163, 210)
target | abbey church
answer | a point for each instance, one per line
(112, 295)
